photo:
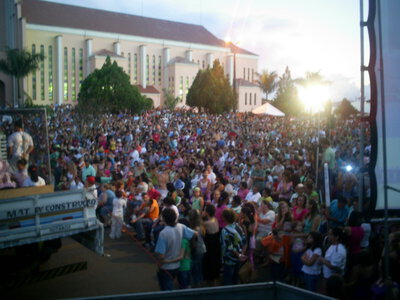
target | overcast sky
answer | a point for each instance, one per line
(306, 35)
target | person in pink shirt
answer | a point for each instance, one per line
(355, 234)
(243, 190)
(299, 211)
(221, 206)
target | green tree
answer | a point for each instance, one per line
(345, 109)
(268, 82)
(108, 90)
(286, 98)
(211, 91)
(19, 64)
(170, 101)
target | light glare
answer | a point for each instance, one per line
(314, 97)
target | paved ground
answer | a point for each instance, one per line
(125, 268)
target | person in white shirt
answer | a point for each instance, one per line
(265, 219)
(311, 265)
(253, 196)
(34, 179)
(119, 204)
(20, 145)
(211, 175)
(335, 257)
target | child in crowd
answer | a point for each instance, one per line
(119, 204)
(311, 266)
(273, 244)
(298, 246)
(236, 204)
(184, 268)
(323, 227)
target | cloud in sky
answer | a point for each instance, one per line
(307, 35)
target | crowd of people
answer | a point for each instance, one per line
(223, 199)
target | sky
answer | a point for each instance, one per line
(305, 35)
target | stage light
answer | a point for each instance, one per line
(348, 168)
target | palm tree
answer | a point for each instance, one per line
(268, 82)
(170, 101)
(20, 63)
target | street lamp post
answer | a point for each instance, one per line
(314, 96)
(234, 78)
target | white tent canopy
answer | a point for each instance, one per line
(268, 109)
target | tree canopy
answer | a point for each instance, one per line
(211, 91)
(20, 63)
(268, 82)
(170, 101)
(345, 109)
(286, 98)
(109, 90)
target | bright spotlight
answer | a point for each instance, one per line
(349, 168)
(314, 97)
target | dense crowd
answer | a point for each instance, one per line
(229, 198)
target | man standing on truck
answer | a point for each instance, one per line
(20, 145)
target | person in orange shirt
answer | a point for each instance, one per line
(148, 213)
(273, 244)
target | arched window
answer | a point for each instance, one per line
(255, 99)
(245, 98)
(250, 98)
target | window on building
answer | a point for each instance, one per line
(129, 65)
(147, 69)
(159, 70)
(135, 68)
(181, 89)
(198, 62)
(250, 98)
(65, 87)
(245, 98)
(244, 73)
(255, 99)
(42, 74)
(80, 67)
(50, 58)
(34, 76)
(204, 64)
(248, 74)
(154, 69)
(73, 75)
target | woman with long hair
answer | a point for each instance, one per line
(212, 258)
(222, 204)
(196, 223)
(299, 210)
(311, 266)
(313, 219)
(334, 261)
(284, 225)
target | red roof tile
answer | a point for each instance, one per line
(150, 89)
(61, 15)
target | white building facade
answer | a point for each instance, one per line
(157, 55)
